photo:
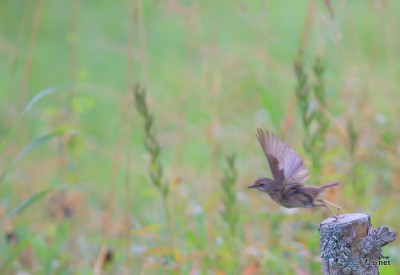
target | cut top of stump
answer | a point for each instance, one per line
(346, 218)
(348, 227)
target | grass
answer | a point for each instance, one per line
(312, 105)
(213, 72)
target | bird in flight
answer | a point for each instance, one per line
(289, 174)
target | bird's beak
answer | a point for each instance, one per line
(253, 186)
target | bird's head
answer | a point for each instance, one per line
(264, 185)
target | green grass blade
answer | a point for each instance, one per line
(37, 142)
(37, 97)
(11, 257)
(29, 147)
(25, 204)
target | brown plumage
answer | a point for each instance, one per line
(289, 173)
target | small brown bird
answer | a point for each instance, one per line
(289, 173)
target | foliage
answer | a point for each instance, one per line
(229, 198)
(313, 108)
(150, 142)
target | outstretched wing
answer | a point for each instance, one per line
(294, 169)
(272, 148)
(286, 165)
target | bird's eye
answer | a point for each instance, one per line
(262, 184)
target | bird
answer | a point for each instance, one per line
(289, 174)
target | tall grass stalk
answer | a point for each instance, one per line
(129, 83)
(230, 212)
(311, 100)
(37, 15)
(127, 183)
(308, 24)
(153, 148)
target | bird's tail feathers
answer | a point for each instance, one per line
(329, 185)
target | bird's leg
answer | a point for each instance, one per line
(337, 207)
(322, 204)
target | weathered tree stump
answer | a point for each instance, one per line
(351, 246)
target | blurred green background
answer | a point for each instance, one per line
(75, 192)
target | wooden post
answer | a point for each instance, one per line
(351, 246)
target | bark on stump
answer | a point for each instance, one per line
(351, 246)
